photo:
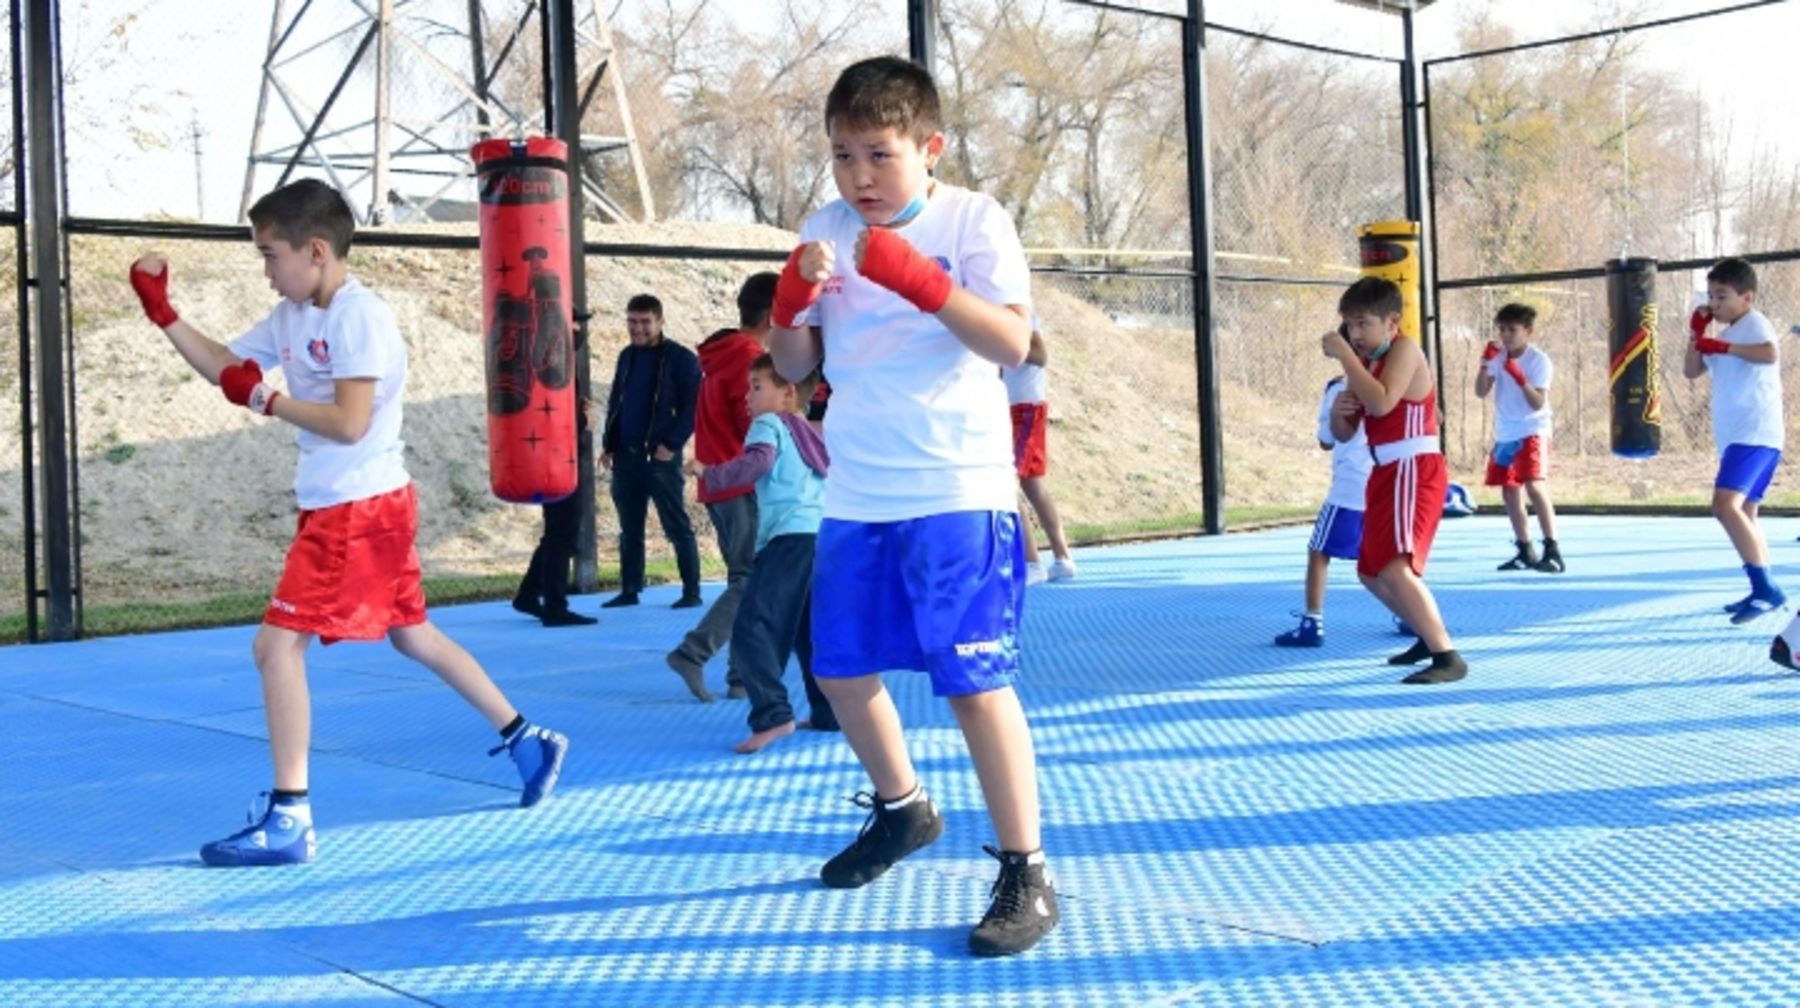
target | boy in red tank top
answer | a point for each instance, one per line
(1391, 395)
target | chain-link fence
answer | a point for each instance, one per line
(1551, 158)
(706, 132)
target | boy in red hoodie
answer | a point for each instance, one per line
(721, 421)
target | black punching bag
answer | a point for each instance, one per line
(1633, 381)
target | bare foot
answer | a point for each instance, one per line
(760, 740)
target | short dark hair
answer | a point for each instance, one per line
(1375, 295)
(756, 299)
(1514, 313)
(885, 92)
(1734, 273)
(645, 303)
(303, 210)
(806, 386)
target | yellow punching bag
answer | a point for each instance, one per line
(1390, 250)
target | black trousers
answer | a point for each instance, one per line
(637, 482)
(547, 579)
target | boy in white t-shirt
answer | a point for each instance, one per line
(1746, 416)
(915, 290)
(1337, 531)
(1027, 394)
(345, 364)
(1518, 374)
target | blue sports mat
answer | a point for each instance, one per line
(1606, 812)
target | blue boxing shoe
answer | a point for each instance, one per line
(282, 834)
(538, 754)
(1310, 633)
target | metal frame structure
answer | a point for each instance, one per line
(361, 153)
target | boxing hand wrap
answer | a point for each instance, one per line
(153, 293)
(1491, 351)
(1698, 321)
(243, 385)
(1708, 345)
(1517, 372)
(793, 293)
(892, 262)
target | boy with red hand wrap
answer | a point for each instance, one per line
(1748, 428)
(352, 572)
(932, 295)
(1520, 461)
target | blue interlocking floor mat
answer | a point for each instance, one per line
(1605, 812)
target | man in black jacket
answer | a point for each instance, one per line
(649, 419)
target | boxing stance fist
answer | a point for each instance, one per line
(243, 385)
(1708, 345)
(801, 280)
(150, 278)
(1489, 352)
(1698, 322)
(891, 261)
(1517, 372)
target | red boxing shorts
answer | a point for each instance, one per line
(1029, 455)
(1531, 462)
(352, 572)
(1405, 503)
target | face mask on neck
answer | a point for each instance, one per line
(910, 210)
(1380, 351)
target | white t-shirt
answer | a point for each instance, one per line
(919, 424)
(1746, 397)
(1351, 462)
(1027, 383)
(354, 338)
(1514, 419)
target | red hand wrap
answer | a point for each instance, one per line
(243, 385)
(1491, 351)
(892, 262)
(1708, 345)
(153, 292)
(1517, 372)
(1698, 322)
(793, 294)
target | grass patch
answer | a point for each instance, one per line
(240, 609)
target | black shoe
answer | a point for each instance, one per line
(1412, 655)
(1021, 909)
(620, 601)
(1781, 654)
(736, 691)
(1447, 667)
(564, 617)
(1552, 563)
(1524, 559)
(687, 602)
(888, 835)
(528, 606)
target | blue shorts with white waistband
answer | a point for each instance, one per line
(940, 594)
(1337, 532)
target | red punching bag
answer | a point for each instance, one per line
(524, 189)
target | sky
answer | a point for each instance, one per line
(142, 83)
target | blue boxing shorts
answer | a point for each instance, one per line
(1747, 469)
(940, 594)
(1337, 532)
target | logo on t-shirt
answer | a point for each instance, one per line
(834, 284)
(319, 351)
(943, 262)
